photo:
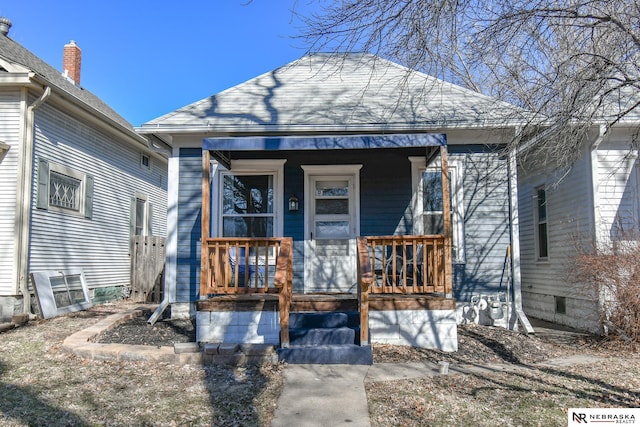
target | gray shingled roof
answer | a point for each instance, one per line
(337, 93)
(15, 53)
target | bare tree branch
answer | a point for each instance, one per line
(572, 64)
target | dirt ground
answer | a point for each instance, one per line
(41, 385)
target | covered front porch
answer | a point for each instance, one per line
(399, 289)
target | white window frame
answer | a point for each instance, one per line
(146, 219)
(273, 167)
(537, 222)
(456, 172)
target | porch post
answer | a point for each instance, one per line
(446, 213)
(206, 215)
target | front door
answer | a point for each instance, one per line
(331, 226)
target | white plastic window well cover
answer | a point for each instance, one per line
(60, 292)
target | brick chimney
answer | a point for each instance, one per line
(71, 62)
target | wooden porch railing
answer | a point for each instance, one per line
(245, 265)
(400, 265)
(409, 264)
(365, 279)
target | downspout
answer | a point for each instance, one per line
(512, 167)
(171, 245)
(595, 187)
(24, 198)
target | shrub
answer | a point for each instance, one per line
(613, 276)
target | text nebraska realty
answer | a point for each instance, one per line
(600, 418)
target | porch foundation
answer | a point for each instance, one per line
(420, 321)
(434, 329)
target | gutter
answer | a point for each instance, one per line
(24, 196)
(213, 130)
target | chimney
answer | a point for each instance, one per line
(71, 62)
(5, 25)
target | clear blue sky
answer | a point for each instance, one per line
(148, 58)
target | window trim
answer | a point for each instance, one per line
(418, 166)
(273, 167)
(147, 215)
(537, 223)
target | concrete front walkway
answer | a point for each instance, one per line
(323, 395)
(334, 395)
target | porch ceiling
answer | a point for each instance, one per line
(325, 143)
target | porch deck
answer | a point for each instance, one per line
(319, 302)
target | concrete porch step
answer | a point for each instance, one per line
(323, 319)
(321, 336)
(347, 354)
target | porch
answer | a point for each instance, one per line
(403, 297)
(403, 283)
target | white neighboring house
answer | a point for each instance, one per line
(596, 204)
(76, 180)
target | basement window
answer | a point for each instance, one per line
(561, 305)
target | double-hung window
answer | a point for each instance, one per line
(427, 202)
(248, 205)
(250, 202)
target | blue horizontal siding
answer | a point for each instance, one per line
(189, 225)
(385, 208)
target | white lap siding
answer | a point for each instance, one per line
(10, 124)
(99, 245)
(570, 214)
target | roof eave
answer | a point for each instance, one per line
(159, 129)
(92, 112)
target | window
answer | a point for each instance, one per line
(145, 161)
(247, 205)
(59, 292)
(561, 305)
(250, 199)
(64, 189)
(141, 216)
(428, 203)
(542, 240)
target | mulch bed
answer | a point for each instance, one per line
(165, 332)
(476, 344)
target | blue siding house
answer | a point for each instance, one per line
(324, 151)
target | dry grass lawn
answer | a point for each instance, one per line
(41, 385)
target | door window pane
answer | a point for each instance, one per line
(325, 229)
(332, 206)
(338, 188)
